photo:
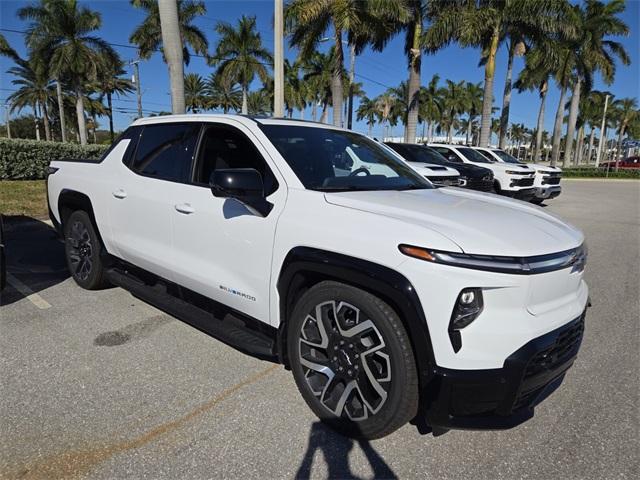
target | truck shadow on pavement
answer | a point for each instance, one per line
(335, 449)
(35, 258)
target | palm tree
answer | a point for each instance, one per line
(240, 56)
(36, 91)
(222, 93)
(595, 52)
(367, 110)
(62, 32)
(486, 24)
(454, 102)
(111, 83)
(148, 35)
(431, 105)
(591, 111)
(308, 20)
(194, 92)
(260, 102)
(625, 112)
(295, 91)
(386, 105)
(473, 101)
(319, 80)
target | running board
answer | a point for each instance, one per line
(232, 330)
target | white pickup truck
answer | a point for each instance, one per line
(391, 301)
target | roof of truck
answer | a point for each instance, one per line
(210, 117)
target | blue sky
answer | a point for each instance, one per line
(376, 70)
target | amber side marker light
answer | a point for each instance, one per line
(417, 252)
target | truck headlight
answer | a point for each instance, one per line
(466, 309)
(515, 172)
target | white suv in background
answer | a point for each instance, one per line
(510, 180)
(547, 180)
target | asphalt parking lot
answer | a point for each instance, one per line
(101, 385)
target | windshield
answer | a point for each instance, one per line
(505, 157)
(332, 160)
(420, 154)
(473, 156)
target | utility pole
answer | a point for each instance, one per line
(352, 68)
(278, 57)
(604, 118)
(136, 80)
(7, 108)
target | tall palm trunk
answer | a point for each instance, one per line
(370, 125)
(487, 97)
(324, 116)
(63, 134)
(172, 47)
(245, 100)
(506, 97)
(314, 109)
(540, 125)
(336, 80)
(571, 123)
(590, 149)
(430, 132)
(557, 128)
(577, 156)
(82, 127)
(36, 120)
(415, 61)
(110, 110)
(45, 119)
(450, 133)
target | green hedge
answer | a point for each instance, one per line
(28, 159)
(591, 172)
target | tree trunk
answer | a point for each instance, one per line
(415, 61)
(571, 123)
(557, 128)
(314, 109)
(370, 125)
(245, 101)
(590, 149)
(540, 125)
(506, 98)
(546, 155)
(82, 127)
(466, 140)
(487, 97)
(336, 80)
(450, 133)
(172, 48)
(35, 119)
(45, 118)
(577, 156)
(324, 116)
(63, 134)
(430, 132)
(110, 113)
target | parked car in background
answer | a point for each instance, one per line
(389, 300)
(511, 180)
(471, 176)
(629, 162)
(547, 180)
(439, 175)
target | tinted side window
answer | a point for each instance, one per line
(166, 151)
(448, 154)
(129, 133)
(223, 147)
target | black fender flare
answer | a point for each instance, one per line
(305, 266)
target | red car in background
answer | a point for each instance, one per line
(629, 162)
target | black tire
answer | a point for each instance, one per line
(537, 201)
(82, 250)
(496, 187)
(366, 412)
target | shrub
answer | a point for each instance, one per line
(592, 172)
(29, 159)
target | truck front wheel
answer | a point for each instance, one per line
(352, 360)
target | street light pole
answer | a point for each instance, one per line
(604, 118)
(352, 72)
(136, 77)
(278, 57)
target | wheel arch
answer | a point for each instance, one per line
(304, 267)
(71, 200)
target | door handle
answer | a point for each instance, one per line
(185, 208)
(120, 193)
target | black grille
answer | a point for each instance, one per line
(445, 181)
(563, 349)
(480, 184)
(548, 180)
(522, 182)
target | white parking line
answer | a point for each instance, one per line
(33, 297)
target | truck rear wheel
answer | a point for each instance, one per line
(352, 360)
(82, 250)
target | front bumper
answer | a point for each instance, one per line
(501, 398)
(548, 192)
(522, 194)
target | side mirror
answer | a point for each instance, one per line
(242, 184)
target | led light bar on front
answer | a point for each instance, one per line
(575, 257)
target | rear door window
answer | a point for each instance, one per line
(166, 151)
